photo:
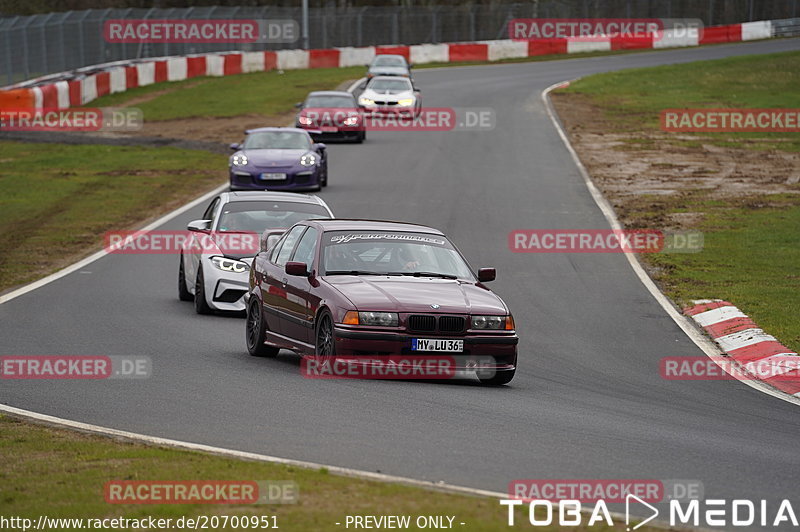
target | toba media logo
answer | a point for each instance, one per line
(585, 503)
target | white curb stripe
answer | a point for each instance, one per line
(743, 339)
(710, 317)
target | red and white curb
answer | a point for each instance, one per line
(744, 342)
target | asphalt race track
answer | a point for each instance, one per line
(587, 401)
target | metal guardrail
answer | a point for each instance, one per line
(38, 45)
(789, 27)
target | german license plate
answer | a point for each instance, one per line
(434, 344)
(273, 177)
(329, 129)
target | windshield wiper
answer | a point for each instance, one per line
(425, 274)
(352, 272)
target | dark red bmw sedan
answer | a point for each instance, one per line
(370, 290)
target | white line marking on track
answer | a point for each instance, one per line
(343, 471)
(686, 325)
(100, 254)
(357, 83)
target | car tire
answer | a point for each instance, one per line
(255, 331)
(183, 292)
(324, 342)
(323, 182)
(200, 304)
(499, 378)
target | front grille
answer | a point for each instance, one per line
(422, 323)
(385, 103)
(451, 324)
(302, 179)
(431, 323)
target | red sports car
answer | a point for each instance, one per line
(361, 290)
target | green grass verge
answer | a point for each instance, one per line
(752, 244)
(633, 99)
(58, 200)
(750, 257)
(266, 93)
(62, 474)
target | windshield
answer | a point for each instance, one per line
(258, 216)
(390, 85)
(277, 140)
(394, 253)
(330, 101)
(389, 60)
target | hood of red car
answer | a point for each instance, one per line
(417, 294)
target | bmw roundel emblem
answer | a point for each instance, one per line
(434, 306)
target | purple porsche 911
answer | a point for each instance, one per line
(278, 158)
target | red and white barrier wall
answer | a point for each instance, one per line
(118, 77)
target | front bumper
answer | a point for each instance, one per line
(296, 179)
(390, 110)
(225, 290)
(496, 352)
(341, 134)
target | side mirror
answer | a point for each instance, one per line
(320, 145)
(298, 105)
(411, 65)
(199, 226)
(487, 274)
(298, 269)
(235, 146)
(269, 238)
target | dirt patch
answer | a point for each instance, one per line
(211, 129)
(661, 168)
(155, 94)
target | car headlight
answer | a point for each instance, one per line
(405, 102)
(304, 120)
(381, 319)
(229, 265)
(492, 323)
(365, 101)
(351, 121)
(239, 159)
(309, 159)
